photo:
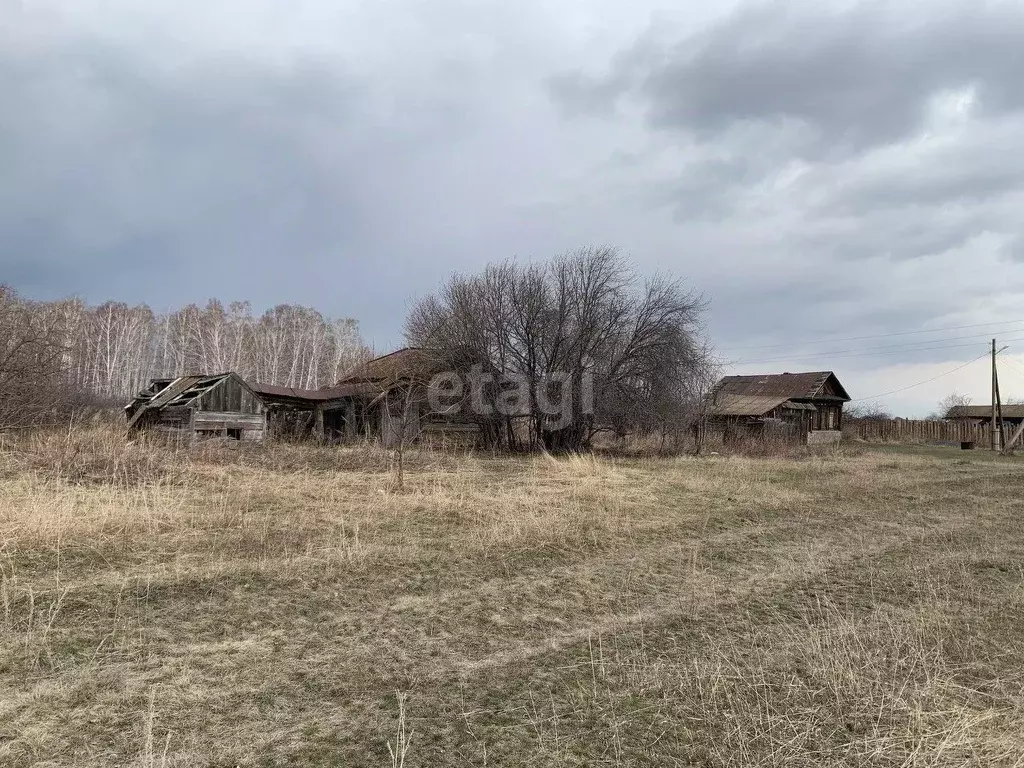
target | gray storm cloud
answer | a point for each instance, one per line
(838, 80)
(812, 167)
(832, 143)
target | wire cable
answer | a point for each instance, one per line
(864, 352)
(918, 384)
(876, 336)
(909, 344)
(1013, 367)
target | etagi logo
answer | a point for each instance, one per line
(559, 396)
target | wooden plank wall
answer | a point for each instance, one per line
(230, 395)
(904, 430)
(227, 420)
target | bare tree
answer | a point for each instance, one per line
(402, 408)
(344, 351)
(571, 347)
(867, 411)
(34, 362)
(679, 404)
(952, 400)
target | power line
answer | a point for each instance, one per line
(918, 384)
(905, 344)
(1013, 367)
(865, 352)
(902, 349)
(876, 336)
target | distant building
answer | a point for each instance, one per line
(1013, 415)
(804, 406)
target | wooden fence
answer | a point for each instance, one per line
(906, 431)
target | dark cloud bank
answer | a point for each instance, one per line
(817, 169)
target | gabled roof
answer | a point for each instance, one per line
(797, 386)
(984, 412)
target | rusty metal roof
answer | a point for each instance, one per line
(800, 386)
(298, 393)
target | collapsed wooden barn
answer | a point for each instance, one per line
(805, 407)
(384, 398)
(222, 404)
(332, 413)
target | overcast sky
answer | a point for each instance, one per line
(819, 170)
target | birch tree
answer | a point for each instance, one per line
(114, 349)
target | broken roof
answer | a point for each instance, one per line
(367, 380)
(798, 386)
(315, 395)
(410, 362)
(170, 393)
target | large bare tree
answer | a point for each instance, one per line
(570, 347)
(34, 362)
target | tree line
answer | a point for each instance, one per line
(54, 355)
(567, 347)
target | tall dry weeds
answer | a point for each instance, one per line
(236, 605)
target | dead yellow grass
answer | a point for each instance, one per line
(286, 606)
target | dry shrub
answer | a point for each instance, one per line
(643, 445)
(765, 447)
(102, 454)
(95, 455)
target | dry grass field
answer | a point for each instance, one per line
(285, 606)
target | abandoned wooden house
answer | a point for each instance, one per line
(801, 406)
(222, 404)
(383, 398)
(380, 398)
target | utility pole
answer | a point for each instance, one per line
(998, 438)
(995, 447)
(999, 410)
